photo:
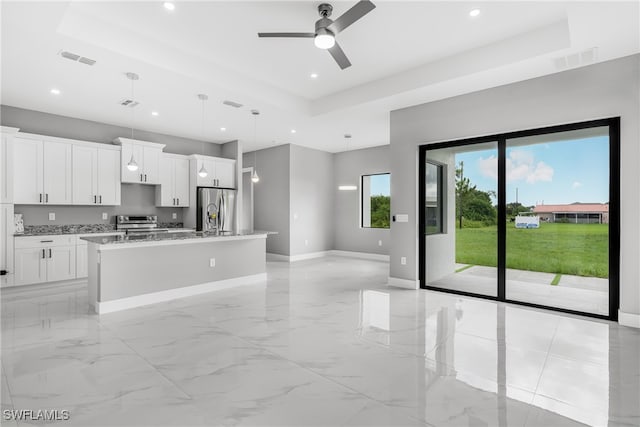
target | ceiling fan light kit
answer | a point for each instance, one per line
(326, 29)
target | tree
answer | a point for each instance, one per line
(472, 204)
(380, 211)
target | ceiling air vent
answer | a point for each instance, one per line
(75, 57)
(129, 103)
(232, 104)
(577, 59)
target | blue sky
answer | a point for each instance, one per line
(556, 173)
(380, 185)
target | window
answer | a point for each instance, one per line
(433, 198)
(376, 200)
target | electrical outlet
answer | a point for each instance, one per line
(52, 216)
(212, 262)
(379, 242)
(174, 215)
(403, 260)
(105, 216)
(306, 242)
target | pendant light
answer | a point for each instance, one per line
(347, 137)
(203, 172)
(254, 176)
(132, 165)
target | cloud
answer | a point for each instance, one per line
(576, 184)
(521, 166)
(489, 166)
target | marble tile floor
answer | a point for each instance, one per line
(322, 342)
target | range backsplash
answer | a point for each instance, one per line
(136, 199)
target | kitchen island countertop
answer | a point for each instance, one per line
(159, 239)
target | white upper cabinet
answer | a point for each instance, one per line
(6, 163)
(96, 175)
(220, 172)
(42, 174)
(174, 181)
(146, 155)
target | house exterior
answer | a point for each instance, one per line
(577, 213)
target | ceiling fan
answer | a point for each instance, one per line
(326, 29)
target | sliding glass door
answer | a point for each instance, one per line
(557, 249)
(461, 218)
(529, 217)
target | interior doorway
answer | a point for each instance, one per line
(528, 217)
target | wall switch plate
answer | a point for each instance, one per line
(212, 262)
(52, 216)
(174, 215)
(379, 242)
(402, 218)
(403, 260)
(105, 216)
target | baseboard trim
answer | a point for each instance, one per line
(310, 255)
(360, 255)
(171, 294)
(277, 257)
(629, 319)
(271, 257)
(397, 282)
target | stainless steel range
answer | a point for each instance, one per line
(139, 224)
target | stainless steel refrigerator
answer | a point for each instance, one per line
(215, 210)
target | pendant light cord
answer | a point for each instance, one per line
(133, 110)
(255, 141)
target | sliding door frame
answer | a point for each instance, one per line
(613, 124)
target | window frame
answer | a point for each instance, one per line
(362, 226)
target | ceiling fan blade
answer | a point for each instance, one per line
(338, 54)
(296, 35)
(352, 15)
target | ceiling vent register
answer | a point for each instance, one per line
(77, 58)
(232, 104)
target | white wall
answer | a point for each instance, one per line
(271, 201)
(440, 252)
(607, 89)
(311, 189)
(348, 167)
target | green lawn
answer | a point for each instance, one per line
(577, 249)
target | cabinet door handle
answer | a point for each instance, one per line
(46, 241)
(43, 254)
(50, 256)
(174, 201)
(101, 199)
(178, 201)
(46, 197)
(140, 177)
(40, 197)
(95, 199)
(145, 177)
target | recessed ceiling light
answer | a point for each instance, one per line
(293, 131)
(55, 91)
(223, 129)
(169, 5)
(474, 12)
(154, 113)
(313, 75)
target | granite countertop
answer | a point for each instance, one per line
(42, 230)
(167, 237)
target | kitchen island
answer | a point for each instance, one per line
(131, 271)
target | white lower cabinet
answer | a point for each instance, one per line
(31, 266)
(44, 259)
